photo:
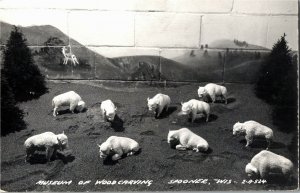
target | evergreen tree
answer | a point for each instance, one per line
(52, 41)
(23, 76)
(277, 84)
(11, 115)
(51, 57)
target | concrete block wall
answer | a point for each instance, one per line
(115, 28)
(161, 23)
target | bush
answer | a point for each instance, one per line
(277, 85)
(51, 57)
(23, 76)
(11, 115)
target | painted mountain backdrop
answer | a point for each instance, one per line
(50, 57)
(209, 65)
(235, 44)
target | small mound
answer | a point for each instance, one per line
(72, 129)
(149, 132)
(94, 114)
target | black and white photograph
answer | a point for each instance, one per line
(149, 95)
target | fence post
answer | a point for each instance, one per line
(224, 62)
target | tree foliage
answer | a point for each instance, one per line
(51, 57)
(11, 115)
(277, 84)
(23, 76)
(52, 41)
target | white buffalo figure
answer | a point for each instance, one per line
(71, 99)
(186, 139)
(48, 142)
(213, 91)
(158, 103)
(108, 110)
(251, 130)
(117, 146)
(194, 108)
(265, 163)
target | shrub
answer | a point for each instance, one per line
(23, 76)
(11, 115)
(277, 85)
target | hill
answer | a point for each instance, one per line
(191, 65)
(35, 35)
(186, 72)
(51, 64)
(235, 44)
(141, 67)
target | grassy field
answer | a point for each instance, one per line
(226, 158)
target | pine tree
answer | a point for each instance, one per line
(11, 115)
(277, 84)
(23, 76)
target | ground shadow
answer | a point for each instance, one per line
(165, 113)
(173, 145)
(117, 124)
(187, 121)
(262, 143)
(67, 111)
(221, 101)
(244, 142)
(118, 105)
(138, 152)
(108, 160)
(83, 111)
(65, 158)
(39, 158)
(230, 100)
(218, 100)
(63, 112)
(209, 151)
(212, 117)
